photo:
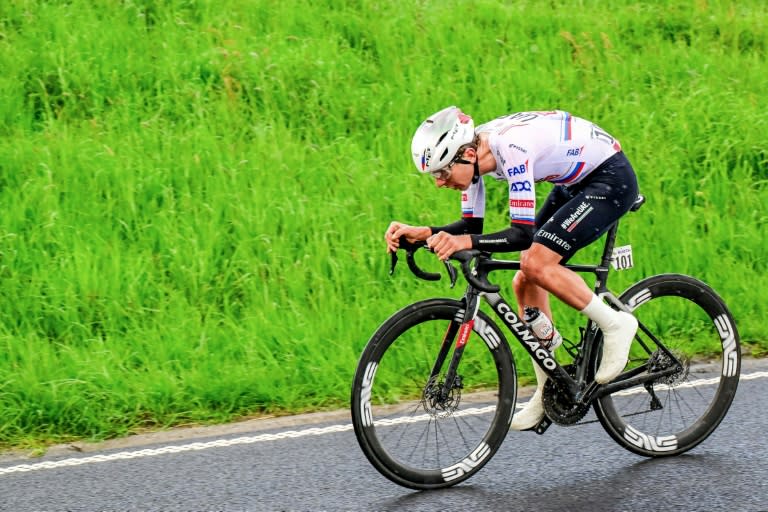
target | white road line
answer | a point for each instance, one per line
(174, 449)
(220, 443)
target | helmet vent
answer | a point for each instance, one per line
(441, 139)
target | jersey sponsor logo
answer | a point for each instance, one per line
(464, 196)
(575, 151)
(518, 170)
(554, 238)
(500, 159)
(520, 186)
(521, 203)
(515, 146)
(522, 117)
(573, 220)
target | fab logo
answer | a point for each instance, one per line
(518, 170)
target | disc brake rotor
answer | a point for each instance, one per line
(436, 402)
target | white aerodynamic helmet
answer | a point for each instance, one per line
(439, 138)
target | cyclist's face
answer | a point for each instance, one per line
(460, 175)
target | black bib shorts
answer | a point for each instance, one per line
(575, 216)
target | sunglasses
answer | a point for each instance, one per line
(445, 173)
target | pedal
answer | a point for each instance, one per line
(542, 426)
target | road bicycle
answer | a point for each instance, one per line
(436, 385)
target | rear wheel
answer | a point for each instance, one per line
(412, 430)
(677, 412)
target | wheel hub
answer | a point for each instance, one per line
(660, 361)
(437, 402)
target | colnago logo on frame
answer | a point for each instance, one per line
(519, 328)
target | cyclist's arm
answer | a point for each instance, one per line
(465, 226)
(472, 212)
(517, 237)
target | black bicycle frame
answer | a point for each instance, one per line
(581, 389)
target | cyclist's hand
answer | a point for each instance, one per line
(444, 244)
(411, 233)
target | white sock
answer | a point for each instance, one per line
(600, 313)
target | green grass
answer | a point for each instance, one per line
(194, 193)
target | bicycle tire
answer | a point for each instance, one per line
(690, 319)
(405, 438)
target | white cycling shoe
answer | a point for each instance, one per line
(533, 412)
(616, 345)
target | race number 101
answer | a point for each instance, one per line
(621, 257)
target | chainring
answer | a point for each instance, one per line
(559, 406)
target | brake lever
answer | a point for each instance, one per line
(451, 273)
(393, 262)
(465, 257)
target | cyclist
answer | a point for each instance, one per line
(594, 186)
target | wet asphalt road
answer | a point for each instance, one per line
(313, 463)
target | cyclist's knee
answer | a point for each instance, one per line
(531, 273)
(536, 263)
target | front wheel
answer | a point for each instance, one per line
(417, 429)
(681, 316)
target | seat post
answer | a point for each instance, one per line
(610, 239)
(610, 242)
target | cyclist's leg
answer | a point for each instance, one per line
(528, 293)
(595, 205)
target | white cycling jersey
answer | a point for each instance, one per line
(538, 146)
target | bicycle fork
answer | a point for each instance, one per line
(459, 329)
